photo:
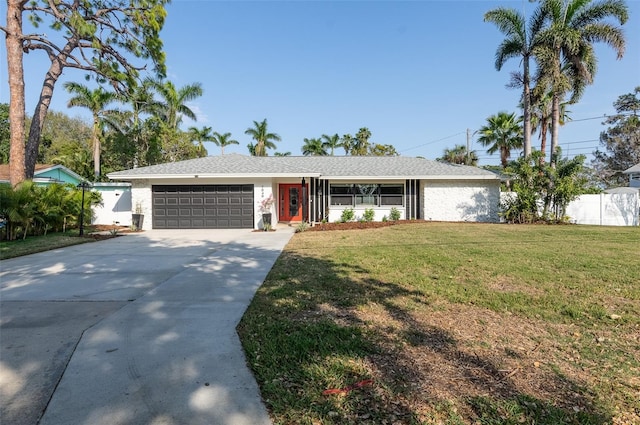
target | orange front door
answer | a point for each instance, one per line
(290, 202)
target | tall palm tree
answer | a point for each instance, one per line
(458, 155)
(223, 140)
(173, 103)
(361, 145)
(347, 141)
(502, 133)
(264, 139)
(313, 147)
(201, 135)
(95, 101)
(566, 54)
(520, 42)
(331, 142)
(141, 100)
(541, 117)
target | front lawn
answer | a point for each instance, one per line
(451, 323)
(34, 244)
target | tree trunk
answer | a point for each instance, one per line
(504, 157)
(17, 172)
(37, 123)
(96, 148)
(555, 123)
(544, 128)
(527, 109)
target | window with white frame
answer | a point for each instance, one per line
(367, 194)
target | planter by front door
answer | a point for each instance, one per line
(290, 202)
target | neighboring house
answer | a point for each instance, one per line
(226, 191)
(46, 174)
(116, 197)
(634, 176)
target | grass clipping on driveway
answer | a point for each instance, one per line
(453, 323)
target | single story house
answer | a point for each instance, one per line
(634, 175)
(228, 191)
(45, 174)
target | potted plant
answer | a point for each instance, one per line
(265, 208)
(137, 218)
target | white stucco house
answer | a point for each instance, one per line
(227, 191)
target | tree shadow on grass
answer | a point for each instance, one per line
(317, 324)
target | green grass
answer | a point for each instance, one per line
(449, 319)
(33, 244)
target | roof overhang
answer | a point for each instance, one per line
(209, 176)
(436, 177)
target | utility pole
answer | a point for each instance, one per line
(468, 147)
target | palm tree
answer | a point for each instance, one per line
(541, 117)
(282, 153)
(201, 135)
(142, 102)
(223, 140)
(502, 133)
(96, 101)
(520, 42)
(458, 155)
(78, 160)
(347, 143)
(173, 105)
(263, 138)
(566, 54)
(331, 142)
(361, 145)
(313, 147)
(252, 149)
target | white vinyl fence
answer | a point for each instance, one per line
(605, 209)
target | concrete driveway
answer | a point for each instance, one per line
(139, 329)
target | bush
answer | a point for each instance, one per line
(29, 209)
(347, 215)
(302, 227)
(394, 215)
(368, 215)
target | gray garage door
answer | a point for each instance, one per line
(203, 207)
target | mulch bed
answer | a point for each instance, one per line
(102, 232)
(360, 225)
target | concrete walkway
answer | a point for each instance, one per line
(135, 330)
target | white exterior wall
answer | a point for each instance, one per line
(141, 198)
(116, 205)
(461, 200)
(451, 200)
(605, 209)
(262, 189)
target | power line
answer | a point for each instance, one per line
(605, 116)
(433, 141)
(579, 142)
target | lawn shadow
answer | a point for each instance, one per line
(317, 324)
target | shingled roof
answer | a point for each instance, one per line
(324, 167)
(634, 169)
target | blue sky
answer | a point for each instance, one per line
(416, 73)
